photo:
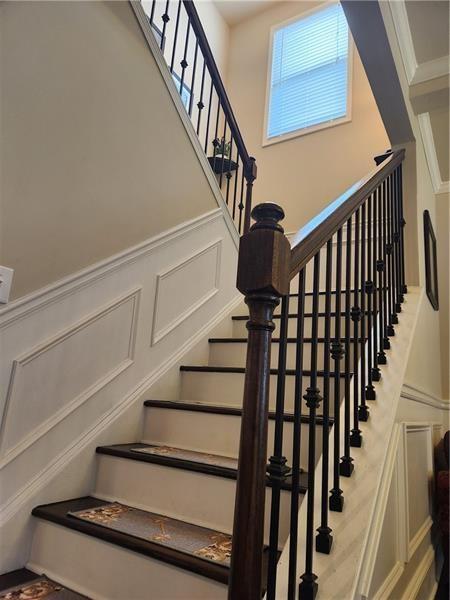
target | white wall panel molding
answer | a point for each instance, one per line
(88, 355)
(198, 279)
(415, 394)
(24, 306)
(431, 70)
(414, 585)
(426, 131)
(384, 592)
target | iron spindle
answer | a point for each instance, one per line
(387, 287)
(277, 468)
(363, 411)
(404, 289)
(165, 19)
(296, 441)
(229, 175)
(336, 501)
(216, 142)
(235, 185)
(376, 373)
(381, 357)
(200, 104)
(241, 204)
(175, 37)
(371, 321)
(355, 437)
(346, 467)
(223, 153)
(184, 63)
(209, 116)
(388, 226)
(250, 178)
(194, 68)
(396, 226)
(324, 539)
(152, 12)
(308, 585)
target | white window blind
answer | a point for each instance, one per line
(309, 72)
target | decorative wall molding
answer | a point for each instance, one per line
(415, 72)
(144, 24)
(415, 394)
(182, 311)
(19, 366)
(50, 471)
(426, 131)
(23, 307)
(385, 590)
(420, 573)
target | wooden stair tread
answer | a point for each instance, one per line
(17, 577)
(17, 583)
(58, 513)
(208, 369)
(223, 410)
(126, 451)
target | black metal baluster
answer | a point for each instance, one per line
(390, 274)
(209, 116)
(404, 287)
(346, 467)
(296, 441)
(241, 204)
(381, 268)
(165, 19)
(235, 186)
(363, 411)
(396, 237)
(355, 437)
(277, 468)
(308, 585)
(377, 336)
(175, 37)
(371, 327)
(250, 176)
(200, 104)
(194, 67)
(223, 153)
(216, 141)
(152, 12)
(324, 539)
(184, 62)
(228, 174)
(336, 500)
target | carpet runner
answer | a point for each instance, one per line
(190, 539)
(215, 460)
(41, 587)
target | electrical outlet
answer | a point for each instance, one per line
(6, 276)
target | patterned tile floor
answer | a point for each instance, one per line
(185, 537)
(190, 455)
(41, 587)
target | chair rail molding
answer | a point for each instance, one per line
(415, 394)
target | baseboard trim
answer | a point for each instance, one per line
(22, 307)
(411, 392)
(14, 504)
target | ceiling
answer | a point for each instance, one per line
(235, 11)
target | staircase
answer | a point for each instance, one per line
(204, 502)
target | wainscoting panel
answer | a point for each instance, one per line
(50, 381)
(77, 361)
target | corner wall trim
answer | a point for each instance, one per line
(426, 131)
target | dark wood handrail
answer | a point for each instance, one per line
(219, 87)
(320, 229)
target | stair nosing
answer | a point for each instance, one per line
(144, 547)
(234, 411)
(177, 463)
(289, 340)
(308, 315)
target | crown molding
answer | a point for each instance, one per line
(431, 69)
(439, 186)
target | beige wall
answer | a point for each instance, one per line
(443, 244)
(94, 157)
(305, 173)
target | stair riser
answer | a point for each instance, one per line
(235, 355)
(240, 329)
(198, 498)
(227, 389)
(108, 572)
(212, 433)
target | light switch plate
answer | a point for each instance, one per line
(6, 276)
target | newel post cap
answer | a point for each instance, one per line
(264, 253)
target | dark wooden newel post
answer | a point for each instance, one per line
(263, 277)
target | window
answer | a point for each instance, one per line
(309, 77)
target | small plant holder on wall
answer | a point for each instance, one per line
(431, 270)
(220, 161)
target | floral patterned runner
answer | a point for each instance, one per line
(191, 539)
(41, 587)
(190, 455)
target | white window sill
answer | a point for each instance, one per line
(306, 131)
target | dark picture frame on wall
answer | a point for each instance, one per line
(431, 270)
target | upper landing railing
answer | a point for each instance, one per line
(338, 348)
(182, 40)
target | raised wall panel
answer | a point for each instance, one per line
(184, 288)
(54, 378)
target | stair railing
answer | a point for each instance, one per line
(183, 42)
(359, 237)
